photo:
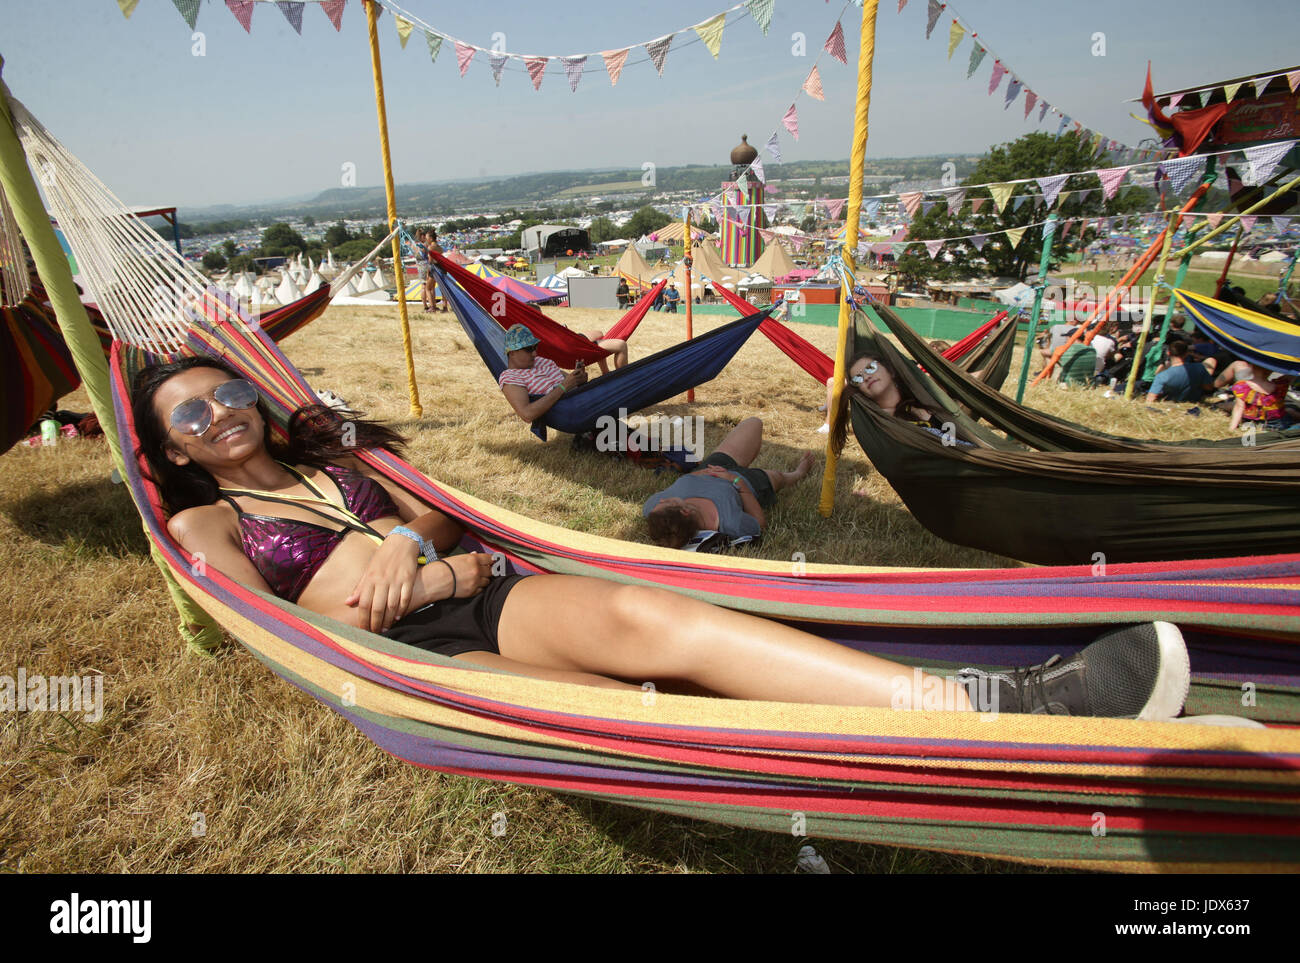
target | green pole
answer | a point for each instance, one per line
(1049, 233)
(196, 627)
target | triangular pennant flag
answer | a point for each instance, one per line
(1014, 234)
(1038, 201)
(1281, 223)
(976, 57)
(1042, 110)
(1096, 143)
(658, 51)
(497, 61)
(1062, 196)
(573, 70)
(711, 33)
(1230, 91)
(464, 54)
(978, 241)
(756, 168)
(189, 9)
(1052, 186)
(976, 203)
(243, 11)
(1001, 193)
(900, 249)
(334, 10)
(911, 202)
(761, 11)
(1261, 161)
(996, 77)
(1018, 201)
(1214, 220)
(1030, 99)
(1182, 170)
(434, 40)
(1248, 222)
(1013, 90)
(936, 8)
(955, 34)
(742, 185)
(404, 28)
(956, 198)
(813, 85)
(773, 146)
(614, 61)
(927, 205)
(835, 44)
(127, 7)
(872, 205)
(536, 68)
(934, 247)
(292, 12)
(1175, 100)
(835, 208)
(769, 211)
(1111, 178)
(1293, 80)
(901, 5)
(1083, 194)
(791, 121)
(1261, 84)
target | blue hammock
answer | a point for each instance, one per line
(636, 386)
(1257, 338)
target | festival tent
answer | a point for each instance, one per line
(706, 265)
(672, 233)
(775, 261)
(522, 290)
(633, 267)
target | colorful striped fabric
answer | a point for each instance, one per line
(35, 368)
(1094, 793)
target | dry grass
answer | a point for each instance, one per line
(283, 784)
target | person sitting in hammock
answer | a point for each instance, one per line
(533, 384)
(873, 378)
(318, 527)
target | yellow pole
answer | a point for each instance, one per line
(1228, 224)
(686, 261)
(1139, 354)
(857, 167)
(371, 22)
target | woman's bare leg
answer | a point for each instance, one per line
(744, 441)
(591, 626)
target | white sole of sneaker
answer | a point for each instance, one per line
(1232, 722)
(1174, 680)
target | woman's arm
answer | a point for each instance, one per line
(210, 535)
(530, 411)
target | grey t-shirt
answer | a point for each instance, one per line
(732, 520)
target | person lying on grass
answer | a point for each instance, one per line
(724, 494)
(319, 527)
(533, 384)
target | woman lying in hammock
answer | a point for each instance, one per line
(533, 384)
(319, 527)
(873, 378)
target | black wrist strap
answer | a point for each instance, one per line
(453, 577)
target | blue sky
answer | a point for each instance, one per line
(274, 115)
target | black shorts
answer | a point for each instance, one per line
(453, 626)
(757, 478)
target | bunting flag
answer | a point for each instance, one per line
(996, 78)
(189, 9)
(1248, 222)
(1030, 99)
(464, 54)
(936, 8)
(1061, 126)
(1018, 201)
(536, 68)
(926, 206)
(1042, 110)
(791, 121)
(813, 85)
(497, 61)
(835, 44)
(1096, 142)
(1281, 223)
(711, 33)
(614, 61)
(976, 203)
(1182, 170)
(128, 7)
(1292, 79)
(1261, 161)
(243, 11)
(770, 212)
(761, 11)
(658, 51)
(955, 34)
(976, 58)
(900, 249)
(1111, 178)
(978, 240)
(404, 28)
(773, 147)
(1001, 193)
(911, 202)
(334, 10)
(901, 5)
(873, 207)
(1013, 90)
(1215, 219)
(1062, 197)
(1051, 186)
(934, 247)
(434, 40)
(836, 207)
(1014, 234)
(1230, 91)
(956, 198)
(756, 168)
(1175, 100)
(1083, 194)
(291, 9)
(1261, 84)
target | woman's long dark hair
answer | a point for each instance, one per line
(908, 407)
(316, 436)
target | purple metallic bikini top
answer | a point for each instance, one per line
(287, 551)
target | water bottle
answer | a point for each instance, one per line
(49, 432)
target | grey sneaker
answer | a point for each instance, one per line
(1135, 672)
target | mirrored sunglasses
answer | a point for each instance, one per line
(865, 373)
(194, 417)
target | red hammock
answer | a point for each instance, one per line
(798, 349)
(968, 343)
